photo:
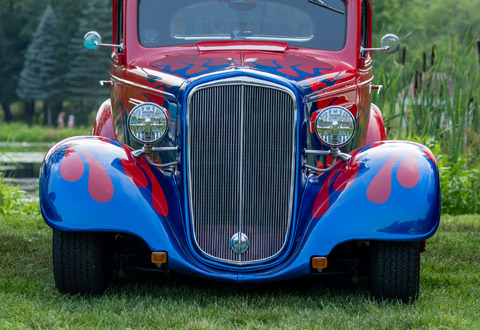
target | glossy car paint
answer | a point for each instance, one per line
(103, 121)
(115, 192)
(387, 191)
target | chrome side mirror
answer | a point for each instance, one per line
(389, 44)
(93, 41)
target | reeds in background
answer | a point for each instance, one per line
(434, 98)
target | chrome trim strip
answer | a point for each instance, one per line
(240, 170)
(315, 97)
(229, 37)
(242, 81)
(135, 102)
(150, 89)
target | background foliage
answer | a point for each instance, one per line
(28, 43)
(431, 95)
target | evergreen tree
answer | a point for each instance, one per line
(68, 13)
(39, 79)
(86, 68)
(18, 20)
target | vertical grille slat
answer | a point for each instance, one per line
(241, 152)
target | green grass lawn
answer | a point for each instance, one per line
(449, 292)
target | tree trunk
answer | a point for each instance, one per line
(47, 112)
(7, 111)
(30, 111)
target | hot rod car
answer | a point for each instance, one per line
(240, 144)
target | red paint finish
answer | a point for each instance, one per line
(100, 184)
(376, 127)
(272, 46)
(430, 155)
(132, 170)
(158, 196)
(135, 51)
(322, 202)
(285, 63)
(103, 121)
(380, 187)
(192, 63)
(71, 168)
(348, 175)
(408, 173)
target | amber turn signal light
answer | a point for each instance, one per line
(319, 262)
(159, 257)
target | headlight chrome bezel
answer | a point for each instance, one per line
(347, 116)
(161, 114)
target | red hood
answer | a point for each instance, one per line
(309, 71)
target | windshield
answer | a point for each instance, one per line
(298, 22)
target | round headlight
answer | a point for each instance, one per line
(335, 126)
(148, 123)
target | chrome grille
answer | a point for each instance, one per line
(241, 164)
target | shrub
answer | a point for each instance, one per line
(15, 201)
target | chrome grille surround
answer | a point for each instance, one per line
(230, 135)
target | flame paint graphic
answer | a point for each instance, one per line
(134, 173)
(430, 155)
(323, 198)
(342, 176)
(380, 188)
(135, 170)
(72, 167)
(408, 175)
(189, 65)
(100, 185)
(158, 197)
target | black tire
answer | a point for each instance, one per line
(395, 270)
(79, 262)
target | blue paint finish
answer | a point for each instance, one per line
(410, 214)
(298, 175)
(301, 75)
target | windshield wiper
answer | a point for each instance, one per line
(324, 5)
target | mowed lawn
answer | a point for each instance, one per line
(449, 292)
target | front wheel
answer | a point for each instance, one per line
(395, 270)
(79, 262)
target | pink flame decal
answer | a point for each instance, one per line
(72, 167)
(408, 173)
(158, 197)
(100, 184)
(380, 188)
(132, 171)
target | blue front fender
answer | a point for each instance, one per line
(386, 191)
(94, 184)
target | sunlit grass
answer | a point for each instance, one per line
(449, 292)
(20, 132)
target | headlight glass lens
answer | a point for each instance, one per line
(335, 126)
(148, 123)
